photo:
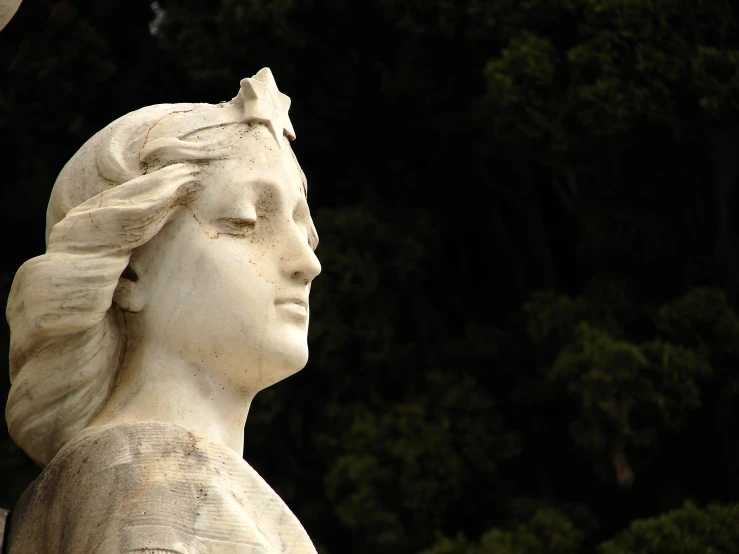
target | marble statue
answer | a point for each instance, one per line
(7, 11)
(174, 287)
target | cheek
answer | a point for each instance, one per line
(230, 280)
(201, 281)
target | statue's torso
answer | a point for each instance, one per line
(152, 487)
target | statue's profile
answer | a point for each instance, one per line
(174, 287)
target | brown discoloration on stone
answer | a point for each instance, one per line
(152, 487)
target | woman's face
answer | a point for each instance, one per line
(227, 279)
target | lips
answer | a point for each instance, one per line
(298, 301)
(295, 308)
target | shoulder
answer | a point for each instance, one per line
(154, 488)
(98, 484)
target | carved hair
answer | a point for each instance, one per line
(68, 337)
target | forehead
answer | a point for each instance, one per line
(255, 163)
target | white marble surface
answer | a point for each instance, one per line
(153, 486)
(7, 11)
(175, 285)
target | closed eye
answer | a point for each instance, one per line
(235, 225)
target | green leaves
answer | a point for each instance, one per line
(546, 532)
(402, 470)
(627, 392)
(622, 65)
(689, 530)
(459, 154)
(716, 75)
(702, 319)
(550, 313)
(613, 381)
(520, 89)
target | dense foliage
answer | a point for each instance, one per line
(525, 337)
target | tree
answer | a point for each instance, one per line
(688, 530)
(529, 284)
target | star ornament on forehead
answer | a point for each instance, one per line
(262, 102)
(258, 101)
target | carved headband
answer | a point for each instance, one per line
(258, 101)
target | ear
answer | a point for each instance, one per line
(129, 295)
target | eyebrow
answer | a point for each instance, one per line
(262, 183)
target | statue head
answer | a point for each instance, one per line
(181, 231)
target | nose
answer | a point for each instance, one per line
(312, 266)
(299, 260)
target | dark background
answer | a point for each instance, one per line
(525, 338)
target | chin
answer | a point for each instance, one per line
(288, 362)
(294, 360)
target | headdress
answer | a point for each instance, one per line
(258, 101)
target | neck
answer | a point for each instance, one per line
(154, 386)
